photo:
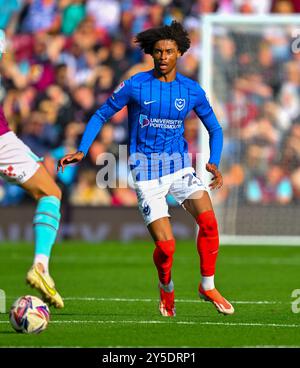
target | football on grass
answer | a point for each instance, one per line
(29, 315)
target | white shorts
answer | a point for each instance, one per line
(17, 162)
(152, 194)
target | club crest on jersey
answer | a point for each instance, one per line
(180, 103)
(120, 86)
(144, 121)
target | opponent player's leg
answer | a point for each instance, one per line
(45, 191)
(163, 237)
(200, 207)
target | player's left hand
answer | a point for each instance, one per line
(217, 179)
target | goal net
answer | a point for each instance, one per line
(250, 70)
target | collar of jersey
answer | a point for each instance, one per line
(165, 83)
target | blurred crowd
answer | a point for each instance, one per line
(257, 94)
(64, 58)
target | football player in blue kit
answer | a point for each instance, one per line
(158, 102)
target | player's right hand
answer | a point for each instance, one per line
(71, 158)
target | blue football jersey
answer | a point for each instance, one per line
(156, 114)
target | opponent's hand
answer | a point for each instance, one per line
(71, 158)
(217, 179)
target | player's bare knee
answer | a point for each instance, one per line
(55, 192)
(162, 236)
(47, 192)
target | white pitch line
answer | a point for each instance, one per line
(130, 300)
(149, 300)
(233, 324)
(150, 347)
(283, 261)
(266, 346)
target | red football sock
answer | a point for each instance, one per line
(163, 259)
(207, 242)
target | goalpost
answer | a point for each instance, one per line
(235, 52)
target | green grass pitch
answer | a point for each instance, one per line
(111, 297)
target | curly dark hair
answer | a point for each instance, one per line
(175, 32)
